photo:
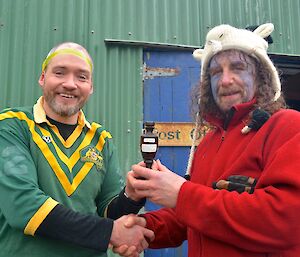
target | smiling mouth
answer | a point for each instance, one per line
(229, 93)
(67, 96)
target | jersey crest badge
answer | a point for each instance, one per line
(91, 154)
(47, 139)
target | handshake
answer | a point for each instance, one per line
(129, 236)
(159, 185)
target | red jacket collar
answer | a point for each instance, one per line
(238, 112)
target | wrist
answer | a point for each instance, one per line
(114, 234)
(131, 197)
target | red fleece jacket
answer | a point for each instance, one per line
(228, 224)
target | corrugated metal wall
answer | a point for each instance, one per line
(29, 28)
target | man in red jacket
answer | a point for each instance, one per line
(242, 199)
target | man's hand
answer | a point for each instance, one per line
(129, 190)
(129, 236)
(160, 186)
(131, 251)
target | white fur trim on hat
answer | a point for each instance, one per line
(225, 37)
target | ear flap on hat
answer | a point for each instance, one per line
(264, 30)
(198, 54)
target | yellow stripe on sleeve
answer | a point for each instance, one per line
(39, 216)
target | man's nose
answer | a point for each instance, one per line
(70, 82)
(227, 78)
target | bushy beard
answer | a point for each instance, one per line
(60, 109)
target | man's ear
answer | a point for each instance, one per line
(42, 79)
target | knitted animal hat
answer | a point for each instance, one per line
(225, 37)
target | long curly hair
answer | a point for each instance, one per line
(203, 103)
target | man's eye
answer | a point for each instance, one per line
(83, 77)
(239, 67)
(214, 72)
(58, 73)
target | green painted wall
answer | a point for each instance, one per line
(29, 28)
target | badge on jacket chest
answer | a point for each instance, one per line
(91, 154)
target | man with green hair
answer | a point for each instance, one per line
(61, 188)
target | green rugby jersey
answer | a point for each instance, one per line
(39, 169)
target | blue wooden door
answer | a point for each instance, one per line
(168, 79)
